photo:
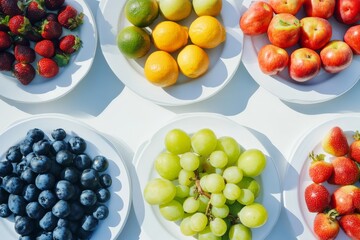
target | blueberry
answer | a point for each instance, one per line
(41, 147)
(64, 190)
(5, 168)
(26, 147)
(77, 192)
(57, 146)
(89, 223)
(35, 135)
(14, 185)
(64, 158)
(100, 163)
(20, 167)
(90, 178)
(31, 193)
(17, 204)
(76, 211)
(101, 212)
(24, 225)
(45, 181)
(70, 174)
(62, 233)
(77, 145)
(48, 221)
(88, 198)
(4, 195)
(63, 223)
(29, 157)
(4, 210)
(44, 236)
(58, 134)
(40, 164)
(105, 180)
(28, 176)
(103, 195)
(34, 210)
(55, 169)
(7, 178)
(82, 162)
(47, 199)
(14, 154)
(24, 237)
(61, 209)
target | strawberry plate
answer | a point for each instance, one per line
(297, 177)
(42, 89)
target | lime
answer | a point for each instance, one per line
(133, 42)
(141, 13)
(175, 10)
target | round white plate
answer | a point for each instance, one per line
(224, 59)
(152, 223)
(42, 89)
(323, 87)
(120, 201)
(297, 177)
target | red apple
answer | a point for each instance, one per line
(344, 198)
(347, 11)
(352, 38)
(272, 59)
(315, 32)
(284, 30)
(304, 64)
(336, 56)
(288, 6)
(319, 8)
(256, 18)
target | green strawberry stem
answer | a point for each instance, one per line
(317, 157)
(356, 136)
(62, 59)
(333, 214)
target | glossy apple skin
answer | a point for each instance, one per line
(336, 56)
(315, 32)
(319, 8)
(272, 59)
(347, 11)
(289, 6)
(304, 64)
(256, 18)
(352, 38)
(344, 199)
(284, 30)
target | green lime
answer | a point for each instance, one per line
(133, 42)
(141, 13)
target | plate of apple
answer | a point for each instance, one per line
(321, 191)
(302, 51)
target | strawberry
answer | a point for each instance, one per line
(24, 54)
(47, 68)
(5, 41)
(70, 43)
(50, 29)
(24, 72)
(54, 4)
(4, 22)
(51, 16)
(345, 171)
(317, 197)
(34, 34)
(6, 61)
(69, 18)
(19, 25)
(10, 7)
(45, 48)
(351, 224)
(354, 150)
(345, 199)
(335, 142)
(326, 226)
(35, 10)
(319, 170)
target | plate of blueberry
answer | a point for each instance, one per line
(61, 179)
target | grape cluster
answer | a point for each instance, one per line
(53, 187)
(207, 185)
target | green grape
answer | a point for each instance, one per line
(214, 183)
(167, 165)
(186, 178)
(218, 159)
(191, 205)
(207, 167)
(204, 142)
(198, 222)
(185, 227)
(232, 191)
(206, 234)
(231, 147)
(252, 162)
(203, 183)
(232, 174)
(254, 215)
(172, 211)
(240, 232)
(177, 141)
(159, 191)
(189, 161)
(220, 212)
(182, 191)
(217, 199)
(235, 208)
(251, 184)
(218, 227)
(193, 191)
(246, 197)
(204, 201)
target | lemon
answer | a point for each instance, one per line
(175, 10)
(207, 7)
(170, 36)
(141, 13)
(207, 32)
(161, 69)
(193, 61)
(133, 42)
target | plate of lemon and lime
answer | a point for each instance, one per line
(171, 52)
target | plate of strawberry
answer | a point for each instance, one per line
(46, 48)
(322, 190)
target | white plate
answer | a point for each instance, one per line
(152, 223)
(120, 201)
(224, 59)
(297, 177)
(42, 89)
(323, 87)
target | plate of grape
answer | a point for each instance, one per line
(205, 176)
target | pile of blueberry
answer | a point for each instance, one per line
(52, 187)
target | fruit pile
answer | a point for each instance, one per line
(37, 29)
(303, 45)
(171, 38)
(207, 185)
(54, 188)
(333, 195)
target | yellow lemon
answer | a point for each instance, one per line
(207, 7)
(161, 69)
(193, 61)
(175, 10)
(207, 32)
(133, 42)
(170, 36)
(141, 13)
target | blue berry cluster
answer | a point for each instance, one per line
(53, 187)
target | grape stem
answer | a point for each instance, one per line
(200, 190)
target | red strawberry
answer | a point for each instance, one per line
(345, 171)
(319, 170)
(326, 226)
(354, 150)
(45, 48)
(5, 41)
(24, 72)
(351, 225)
(4, 22)
(19, 25)
(24, 54)
(335, 142)
(54, 4)
(10, 7)
(35, 11)
(6, 61)
(69, 18)
(51, 16)
(317, 197)
(34, 34)
(47, 68)
(50, 29)
(345, 199)
(70, 43)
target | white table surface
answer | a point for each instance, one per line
(102, 101)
